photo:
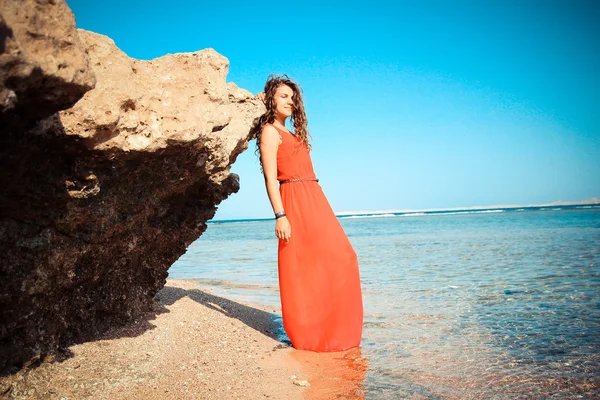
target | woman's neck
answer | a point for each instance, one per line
(280, 122)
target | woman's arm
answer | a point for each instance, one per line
(269, 143)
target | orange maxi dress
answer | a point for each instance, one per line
(319, 280)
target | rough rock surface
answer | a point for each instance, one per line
(100, 199)
(43, 68)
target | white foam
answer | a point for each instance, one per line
(469, 212)
(368, 216)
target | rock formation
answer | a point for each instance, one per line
(98, 200)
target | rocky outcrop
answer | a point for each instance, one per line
(100, 199)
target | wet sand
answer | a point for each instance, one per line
(192, 345)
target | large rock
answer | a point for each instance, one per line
(100, 199)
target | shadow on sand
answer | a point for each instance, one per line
(256, 319)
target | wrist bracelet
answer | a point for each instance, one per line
(279, 214)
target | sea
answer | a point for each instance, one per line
(500, 303)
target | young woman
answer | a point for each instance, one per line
(319, 279)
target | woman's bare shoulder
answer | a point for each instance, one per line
(269, 132)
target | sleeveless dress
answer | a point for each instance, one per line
(319, 282)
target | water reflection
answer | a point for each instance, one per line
(338, 375)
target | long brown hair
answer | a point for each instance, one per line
(298, 116)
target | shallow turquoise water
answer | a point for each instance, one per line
(499, 305)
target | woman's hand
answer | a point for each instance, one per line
(261, 96)
(283, 229)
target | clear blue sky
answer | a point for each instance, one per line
(411, 104)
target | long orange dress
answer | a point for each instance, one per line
(319, 280)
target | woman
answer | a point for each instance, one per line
(319, 280)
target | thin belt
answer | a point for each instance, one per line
(297, 180)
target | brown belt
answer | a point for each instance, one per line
(297, 180)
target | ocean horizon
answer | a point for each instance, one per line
(559, 205)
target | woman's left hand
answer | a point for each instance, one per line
(283, 229)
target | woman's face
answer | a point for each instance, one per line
(284, 103)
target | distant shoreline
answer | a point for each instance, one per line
(593, 202)
(588, 202)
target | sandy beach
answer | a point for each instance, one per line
(192, 345)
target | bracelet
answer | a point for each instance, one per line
(279, 214)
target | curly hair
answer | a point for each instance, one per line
(298, 117)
